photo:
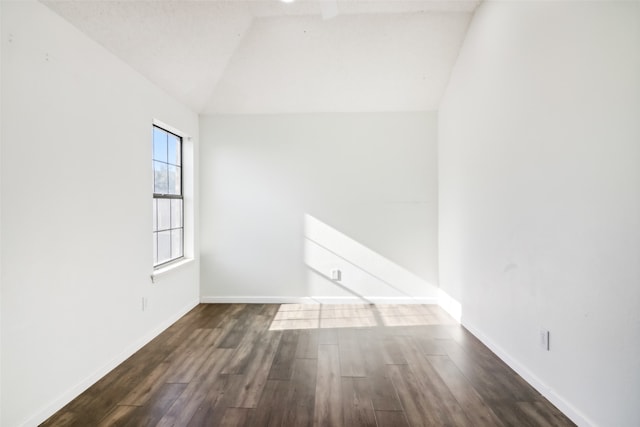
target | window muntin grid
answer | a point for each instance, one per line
(168, 203)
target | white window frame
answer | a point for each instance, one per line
(188, 209)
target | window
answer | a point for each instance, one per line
(168, 210)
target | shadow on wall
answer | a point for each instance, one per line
(364, 276)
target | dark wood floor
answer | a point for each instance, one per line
(304, 365)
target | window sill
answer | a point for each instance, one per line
(166, 269)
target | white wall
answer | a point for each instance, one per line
(76, 213)
(539, 160)
(286, 198)
(1, 134)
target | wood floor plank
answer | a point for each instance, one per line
(358, 365)
(236, 417)
(88, 408)
(270, 311)
(179, 331)
(512, 415)
(482, 380)
(185, 348)
(117, 416)
(223, 392)
(432, 385)
(244, 352)
(151, 413)
(543, 414)
(300, 402)
(271, 408)
(328, 336)
(204, 385)
(282, 366)
(351, 355)
(212, 316)
(62, 419)
(328, 396)
(257, 370)
(549, 410)
(243, 318)
(503, 375)
(357, 403)
(415, 402)
(92, 405)
(435, 331)
(184, 369)
(434, 346)
(384, 396)
(284, 402)
(466, 395)
(142, 391)
(307, 344)
(391, 419)
(390, 351)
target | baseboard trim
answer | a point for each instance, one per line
(561, 403)
(44, 413)
(256, 300)
(316, 300)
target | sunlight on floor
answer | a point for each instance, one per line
(315, 316)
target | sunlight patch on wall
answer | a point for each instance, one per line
(451, 305)
(365, 274)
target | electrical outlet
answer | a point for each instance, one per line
(544, 339)
(336, 274)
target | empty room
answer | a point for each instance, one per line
(319, 213)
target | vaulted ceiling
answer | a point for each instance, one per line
(266, 56)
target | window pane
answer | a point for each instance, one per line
(155, 248)
(159, 145)
(164, 246)
(155, 214)
(164, 214)
(161, 178)
(174, 150)
(174, 180)
(168, 221)
(176, 243)
(176, 213)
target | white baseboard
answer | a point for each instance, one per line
(256, 300)
(317, 300)
(562, 404)
(50, 409)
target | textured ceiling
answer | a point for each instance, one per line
(270, 57)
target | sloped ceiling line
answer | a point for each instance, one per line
(225, 56)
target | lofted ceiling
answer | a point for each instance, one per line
(266, 56)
